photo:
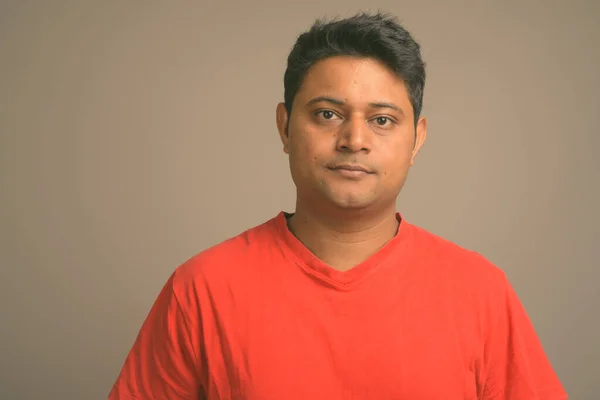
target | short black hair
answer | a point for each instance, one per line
(379, 36)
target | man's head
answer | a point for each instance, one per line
(353, 98)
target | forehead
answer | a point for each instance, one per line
(355, 80)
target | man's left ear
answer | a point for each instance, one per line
(420, 136)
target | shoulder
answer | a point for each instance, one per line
(456, 264)
(231, 257)
(493, 323)
(472, 288)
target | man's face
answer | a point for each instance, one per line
(351, 134)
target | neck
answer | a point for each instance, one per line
(343, 241)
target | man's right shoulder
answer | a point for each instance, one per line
(233, 255)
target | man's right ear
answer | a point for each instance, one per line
(282, 125)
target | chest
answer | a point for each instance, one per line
(394, 346)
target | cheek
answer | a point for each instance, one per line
(308, 150)
(303, 158)
(395, 165)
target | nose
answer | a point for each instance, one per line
(354, 137)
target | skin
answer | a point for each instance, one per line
(350, 113)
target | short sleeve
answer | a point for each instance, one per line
(163, 363)
(516, 366)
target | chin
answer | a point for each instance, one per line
(352, 202)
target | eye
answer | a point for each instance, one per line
(383, 122)
(327, 114)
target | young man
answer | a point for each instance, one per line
(342, 299)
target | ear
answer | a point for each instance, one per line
(282, 125)
(420, 136)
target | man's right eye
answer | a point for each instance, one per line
(326, 114)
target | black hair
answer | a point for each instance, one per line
(379, 36)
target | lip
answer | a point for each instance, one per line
(350, 168)
(351, 171)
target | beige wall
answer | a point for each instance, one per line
(134, 135)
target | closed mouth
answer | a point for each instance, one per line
(351, 167)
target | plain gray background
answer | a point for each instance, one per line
(136, 134)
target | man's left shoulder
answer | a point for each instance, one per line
(447, 258)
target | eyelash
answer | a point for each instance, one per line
(388, 119)
(324, 111)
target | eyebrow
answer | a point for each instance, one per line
(387, 105)
(327, 99)
(340, 102)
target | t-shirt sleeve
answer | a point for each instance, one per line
(163, 362)
(516, 366)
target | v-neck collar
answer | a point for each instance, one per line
(319, 269)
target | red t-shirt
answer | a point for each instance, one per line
(259, 317)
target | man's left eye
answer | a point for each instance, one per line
(382, 120)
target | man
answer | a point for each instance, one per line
(342, 299)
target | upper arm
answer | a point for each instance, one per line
(516, 366)
(164, 361)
